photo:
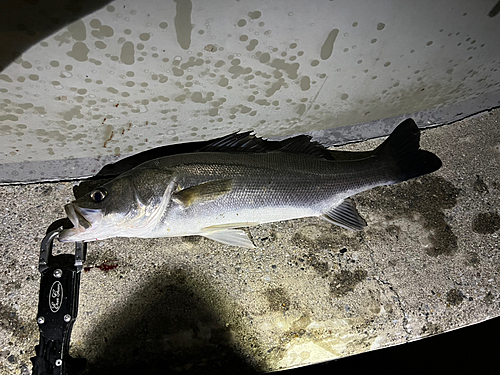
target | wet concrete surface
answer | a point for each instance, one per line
(427, 263)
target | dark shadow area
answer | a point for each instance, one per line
(169, 325)
(463, 351)
(24, 23)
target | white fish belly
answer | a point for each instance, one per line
(180, 225)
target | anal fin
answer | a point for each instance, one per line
(233, 237)
(230, 226)
(345, 215)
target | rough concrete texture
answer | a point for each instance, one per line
(427, 263)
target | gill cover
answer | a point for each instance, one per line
(132, 202)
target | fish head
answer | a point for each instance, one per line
(124, 207)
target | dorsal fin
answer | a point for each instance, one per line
(247, 142)
(236, 142)
(302, 144)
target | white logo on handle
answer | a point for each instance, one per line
(55, 296)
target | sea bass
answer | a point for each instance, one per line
(215, 193)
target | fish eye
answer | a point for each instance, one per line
(98, 195)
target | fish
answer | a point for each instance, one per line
(238, 182)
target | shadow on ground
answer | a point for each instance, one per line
(168, 325)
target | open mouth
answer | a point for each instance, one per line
(76, 217)
(86, 223)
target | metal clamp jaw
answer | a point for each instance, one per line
(58, 308)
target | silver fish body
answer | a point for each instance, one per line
(213, 194)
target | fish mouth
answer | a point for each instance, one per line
(82, 220)
(76, 217)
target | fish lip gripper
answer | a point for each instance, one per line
(58, 308)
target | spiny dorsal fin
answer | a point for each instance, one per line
(247, 142)
(207, 191)
(345, 215)
(236, 142)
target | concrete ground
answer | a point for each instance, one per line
(427, 263)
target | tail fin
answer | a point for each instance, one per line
(402, 151)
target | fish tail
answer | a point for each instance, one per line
(402, 151)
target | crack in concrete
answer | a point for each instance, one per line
(398, 297)
(400, 304)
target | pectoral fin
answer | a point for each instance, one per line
(346, 216)
(233, 237)
(207, 191)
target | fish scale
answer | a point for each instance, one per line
(262, 192)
